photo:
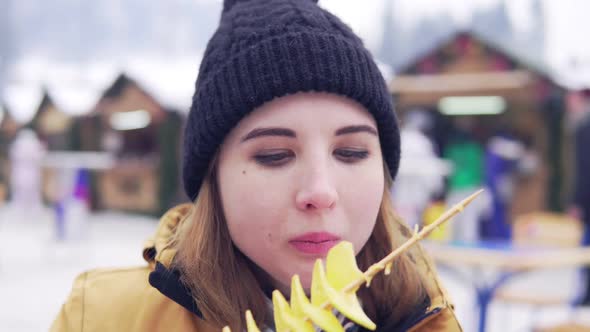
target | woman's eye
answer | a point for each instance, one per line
(351, 155)
(274, 158)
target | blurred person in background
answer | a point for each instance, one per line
(507, 156)
(466, 155)
(580, 208)
(290, 147)
(421, 174)
(26, 156)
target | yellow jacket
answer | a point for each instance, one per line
(123, 299)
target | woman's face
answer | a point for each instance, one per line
(298, 175)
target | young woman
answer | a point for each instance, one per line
(291, 146)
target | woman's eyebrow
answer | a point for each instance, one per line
(272, 131)
(356, 129)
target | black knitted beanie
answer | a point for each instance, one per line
(264, 49)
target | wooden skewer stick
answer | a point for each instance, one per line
(417, 236)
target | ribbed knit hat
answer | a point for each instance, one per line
(264, 49)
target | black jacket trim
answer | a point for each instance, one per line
(168, 283)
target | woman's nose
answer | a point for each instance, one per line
(317, 192)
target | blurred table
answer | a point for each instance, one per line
(508, 259)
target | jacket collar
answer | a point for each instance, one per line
(169, 284)
(157, 248)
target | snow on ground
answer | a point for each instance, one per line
(36, 271)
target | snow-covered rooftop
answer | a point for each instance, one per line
(75, 88)
(170, 81)
(22, 100)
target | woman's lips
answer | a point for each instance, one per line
(316, 243)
